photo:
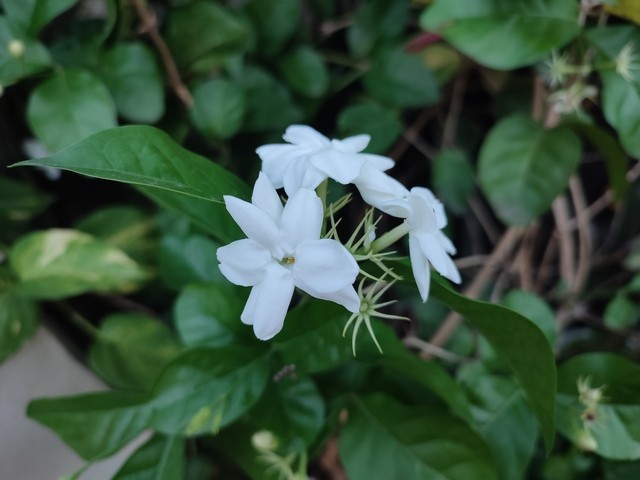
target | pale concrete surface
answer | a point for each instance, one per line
(29, 451)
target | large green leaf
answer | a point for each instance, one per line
(19, 317)
(161, 458)
(614, 425)
(95, 425)
(131, 73)
(611, 41)
(275, 22)
(522, 345)
(385, 439)
(146, 156)
(187, 259)
(131, 350)
(504, 34)
(523, 167)
(620, 105)
(34, 59)
(535, 309)
(69, 107)
(219, 108)
(60, 263)
(32, 15)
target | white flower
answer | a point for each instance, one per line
(310, 158)
(283, 251)
(380, 190)
(425, 219)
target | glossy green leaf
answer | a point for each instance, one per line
(59, 263)
(32, 15)
(269, 104)
(304, 69)
(521, 344)
(94, 425)
(375, 23)
(19, 317)
(612, 430)
(131, 350)
(505, 420)
(621, 312)
(504, 34)
(132, 75)
(535, 309)
(219, 108)
(453, 179)
(187, 259)
(292, 410)
(209, 314)
(275, 22)
(380, 123)
(69, 107)
(612, 40)
(385, 439)
(399, 79)
(620, 105)
(205, 389)
(523, 167)
(34, 59)
(160, 458)
(191, 36)
(146, 156)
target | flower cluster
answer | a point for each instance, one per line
(284, 247)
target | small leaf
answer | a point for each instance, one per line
(621, 313)
(71, 106)
(131, 73)
(375, 24)
(275, 22)
(417, 442)
(59, 263)
(161, 458)
(399, 79)
(304, 69)
(504, 35)
(620, 105)
(32, 15)
(380, 123)
(523, 167)
(219, 108)
(20, 202)
(34, 59)
(19, 317)
(453, 179)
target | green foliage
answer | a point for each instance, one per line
(19, 316)
(219, 108)
(381, 123)
(161, 458)
(453, 179)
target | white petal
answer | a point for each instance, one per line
(438, 257)
(447, 244)
(324, 266)
(305, 135)
(353, 144)
(420, 267)
(378, 161)
(266, 198)
(342, 167)
(268, 302)
(255, 223)
(243, 262)
(422, 216)
(436, 205)
(301, 174)
(276, 160)
(347, 297)
(301, 218)
(382, 191)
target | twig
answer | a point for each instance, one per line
(149, 26)
(523, 258)
(499, 254)
(411, 133)
(427, 348)
(470, 261)
(560, 209)
(484, 217)
(584, 234)
(547, 258)
(455, 107)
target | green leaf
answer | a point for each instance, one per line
(621, 470)
(146, 156)
(269, 103)
(161, 458)
(620, 105)
(94, 425)
(523, 167)
(191, 36)
(292, 410)
(376, 23)
(304, 69)
(206, 389)
(522, 345)
(535, 309)
(621, 313)
(613, 427)
(504, 34)
(611, 41)
(209, 314)
(453, 179)
(219, 108)
(59, 263)
(32, 15)
(69, 107)
(34, 59)
(401, 80)
(19, 318)
(131, 350)
(380, 123)
(20, 202)
(385, 439)
(131, 73)
(275, 21)
(186, 259)
(504, 419)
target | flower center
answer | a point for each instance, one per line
(287, 261)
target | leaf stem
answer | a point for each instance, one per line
(391, 237)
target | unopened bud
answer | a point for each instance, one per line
(16, 48)
(264, 440)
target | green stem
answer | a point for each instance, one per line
(391, 237)
(321, 191)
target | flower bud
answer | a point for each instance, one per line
(264, 440)
(16, 48)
